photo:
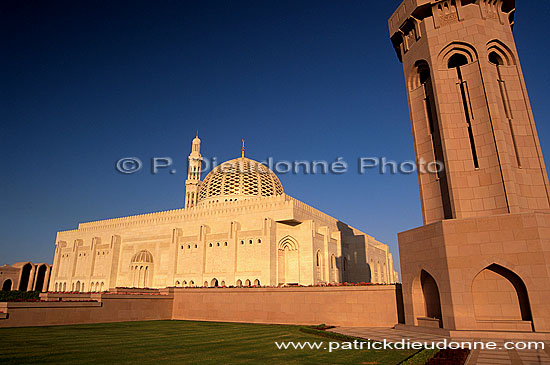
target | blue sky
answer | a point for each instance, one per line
(84, 84)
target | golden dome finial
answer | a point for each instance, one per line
(242, 153)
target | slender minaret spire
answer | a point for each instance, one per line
(194, 175)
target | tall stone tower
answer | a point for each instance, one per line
(194, 174)
(482, 259)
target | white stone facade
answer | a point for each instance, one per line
(233, 234)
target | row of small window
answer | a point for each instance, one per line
(78, 287)
(188, 246)
(215, 284)
(83, 254)
(218, 200)
(218, 244)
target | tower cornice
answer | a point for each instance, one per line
(404, 24)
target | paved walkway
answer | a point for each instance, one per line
(484, 357)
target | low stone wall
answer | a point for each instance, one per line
(106, 308)
(372, 306)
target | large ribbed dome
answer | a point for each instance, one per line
(241, 178)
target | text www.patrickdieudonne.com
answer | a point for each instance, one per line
(407, 345)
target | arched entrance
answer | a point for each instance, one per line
(500, 294)
(25, 276)
(288, 261)
(6, 286)
(320, 266)
(334, 272)
(432, 301)
(40, 278)
(141, 268)
(214, 283)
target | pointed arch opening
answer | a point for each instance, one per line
(432, 299)
(499, 294)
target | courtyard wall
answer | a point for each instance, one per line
(372, 306)
(80, 309)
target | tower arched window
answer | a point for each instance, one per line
(495, 59)
(422, 78)
(456, 61)
(499, 56)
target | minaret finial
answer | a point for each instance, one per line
(197, 133)
(242, 154)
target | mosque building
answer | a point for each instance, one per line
(237, 228)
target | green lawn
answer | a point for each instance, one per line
(181, 342)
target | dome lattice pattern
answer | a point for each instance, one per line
(240, 177)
